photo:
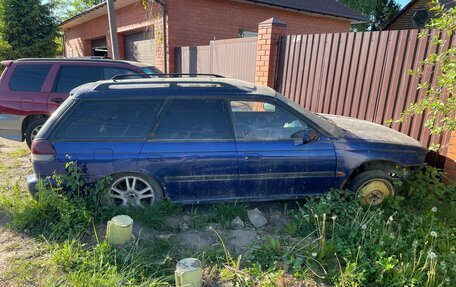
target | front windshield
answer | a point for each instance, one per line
(322, 122)
(151, 70)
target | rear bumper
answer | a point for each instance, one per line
(33, 180)
(11, 127)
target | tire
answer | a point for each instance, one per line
(32, 129)
(372, 187)
(136, 194)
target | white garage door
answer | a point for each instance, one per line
(140, 47)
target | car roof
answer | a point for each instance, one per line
(169, 87)
(83, 60)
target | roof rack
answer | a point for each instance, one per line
(172, 75)
(75, 59)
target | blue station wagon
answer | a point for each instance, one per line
(205, 139)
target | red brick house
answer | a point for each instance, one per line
(195, 22)
(415, 15)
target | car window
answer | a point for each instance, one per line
(113, 119)
(194, 120)
(109, 72)
(71, 77)
(29, 78)
(258, 120)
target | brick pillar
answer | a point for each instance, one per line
(159, 51)
(450, 162)
(269, 32)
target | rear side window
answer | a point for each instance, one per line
(71, 77)
(110, 120)
(194, 120)
(29, 78)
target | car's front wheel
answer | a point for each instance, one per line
(129, 189)
(372, 187)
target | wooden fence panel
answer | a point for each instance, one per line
(363, 75)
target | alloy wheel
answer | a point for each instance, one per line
(131, 191)
(35, 132)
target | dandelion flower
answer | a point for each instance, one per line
(314, 254)
(432, 255)
(434, 209)
(434, 234)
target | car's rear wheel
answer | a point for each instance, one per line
(372, 187)
(129, 189)
(32, 130)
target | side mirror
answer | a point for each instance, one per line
(305, 136)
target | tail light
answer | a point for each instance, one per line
(42, 150)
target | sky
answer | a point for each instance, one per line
(402, 2)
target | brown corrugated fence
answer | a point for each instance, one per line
(363, 75)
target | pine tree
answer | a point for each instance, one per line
(29, 28)
(384, 12)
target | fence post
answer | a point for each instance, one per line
(269, 33)
(450, 161)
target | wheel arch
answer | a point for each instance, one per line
(30, 119)
(384, 165)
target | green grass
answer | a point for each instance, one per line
(409, 241)
(19, 153)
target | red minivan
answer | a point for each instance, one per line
(31, 89)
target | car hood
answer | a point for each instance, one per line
(371, 132)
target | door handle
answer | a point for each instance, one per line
(155, 158)
(57, 100)
(252, 156)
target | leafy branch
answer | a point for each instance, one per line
(439, 102)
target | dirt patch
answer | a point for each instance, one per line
(14, 162)
(14, 166)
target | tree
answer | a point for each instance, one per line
(384, 11)
(439, 102)
(379, 12)
(28, 28)
(66, 9)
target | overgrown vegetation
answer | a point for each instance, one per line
(409, 241)
(438, 98)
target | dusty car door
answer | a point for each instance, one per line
(192, 152)
(274, 162)
(105, 136)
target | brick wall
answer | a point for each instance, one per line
(129, 19)
(196, 22)
(404, 21)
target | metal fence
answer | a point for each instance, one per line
(362, 75)
(234, 58)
